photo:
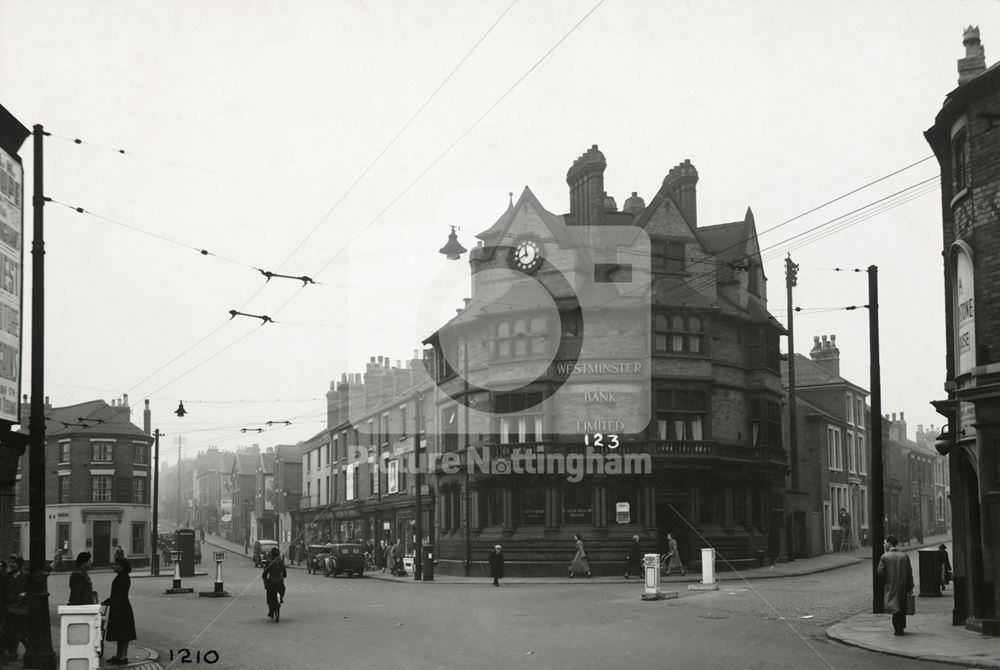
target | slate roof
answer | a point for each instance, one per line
(809, 373)
(289, 453)
(104, 420)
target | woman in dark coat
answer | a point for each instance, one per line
(81, 589)
(121, 621)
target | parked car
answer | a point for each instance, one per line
(261, 551)
(316, 557)
(346, 559)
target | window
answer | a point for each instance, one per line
(328, 454)
(372, 479)
(139, 490)
(852, 456)
(532, 506)
(517, 338)
(940, 507)
(138, 537)
(577, 505)
(859, 412)
(492, 506)
(139, 454)
(383, 429)
(15, 542)
(62, 538)
(765, 422)
(762, 344)
(678, 333)
(449, 432)
(393, 476)
(960, 164)
(520, 429)
(833, 448)
(838, 501)
(402, 421)
(64, 452)
(101, 491)
(667, 256)
(849, 405)
(309, 502)
(101, 451)
(681, 415)
(862, 454)
(309, 460)
(64, 488)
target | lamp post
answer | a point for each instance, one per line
(154, 559)
(39, 653)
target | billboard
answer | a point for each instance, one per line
(11, 284)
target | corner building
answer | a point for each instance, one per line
(966, 142)
(699, 354)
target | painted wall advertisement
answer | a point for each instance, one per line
(965, 314)
(11, 276)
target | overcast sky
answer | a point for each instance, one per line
(247, 125)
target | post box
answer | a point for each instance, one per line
(651, 571)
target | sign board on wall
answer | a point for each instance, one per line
(965, 315)
(11, 284)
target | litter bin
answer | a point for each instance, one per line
(930, 573)
(428, 564)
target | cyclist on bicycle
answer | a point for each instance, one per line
(274, 583)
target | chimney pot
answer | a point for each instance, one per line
(974, 63)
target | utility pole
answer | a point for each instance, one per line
(180, 509)
(877, 486)
(154, 559)
(40, 653)
(791, 279)
(418, 564)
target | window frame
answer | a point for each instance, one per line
(139, 486)
(835, 456)
(98, 456)
(678, 333)
(95, 488)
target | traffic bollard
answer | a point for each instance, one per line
(79, 636)
(707, 572)
(651, 583)
(220, 557)
(175, 556)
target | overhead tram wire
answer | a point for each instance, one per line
(451, 146)
(378, 157)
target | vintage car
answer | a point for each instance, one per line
(346, 559)
(316, 557)
(261, 551)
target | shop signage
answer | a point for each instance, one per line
(11, 276)
(965, 314)
(623, 512)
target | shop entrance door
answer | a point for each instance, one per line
(102, 544)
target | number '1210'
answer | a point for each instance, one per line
(187, 656)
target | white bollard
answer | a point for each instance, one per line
(79, 637)
(175, 556)
(707, 572)
(218, 592)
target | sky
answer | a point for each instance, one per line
(340, 141)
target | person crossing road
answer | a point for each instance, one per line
(274, 577)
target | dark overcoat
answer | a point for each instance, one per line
(81, 589)
(635, 558)
(121, 621)
(896, 573)
(496, 564)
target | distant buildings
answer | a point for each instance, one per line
(966, 142)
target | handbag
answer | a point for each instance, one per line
(911, 604)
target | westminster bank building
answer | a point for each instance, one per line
(637, 339)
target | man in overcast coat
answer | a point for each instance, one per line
(896, 573)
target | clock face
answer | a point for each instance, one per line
(526, 256)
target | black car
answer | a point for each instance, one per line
(261, 552)
(348, 559)
(316, 557)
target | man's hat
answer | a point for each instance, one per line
(497, 546)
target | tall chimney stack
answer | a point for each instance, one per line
(974, 63)
(586, 188)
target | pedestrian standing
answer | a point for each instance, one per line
(674, 555)
(119, 553)
(496, 564)
(16, 628)
(121, 620)
(896, 575)
(634, 561)
(397, 558)
(81, 589)
(945, 565)
(579, 564)
(383, 547)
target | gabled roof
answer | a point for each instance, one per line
(266, 463)
(289, 453)
(809, 373)
(95, 417)
(244, 464)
